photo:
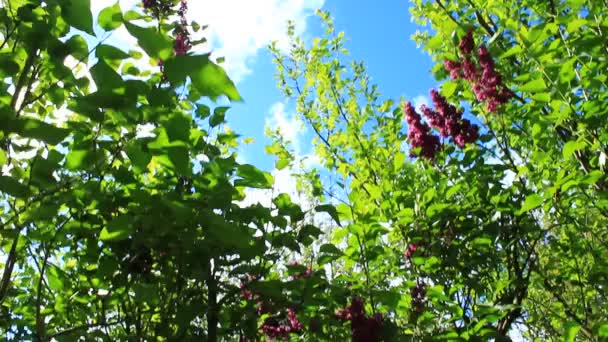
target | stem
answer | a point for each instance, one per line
(83, 327)
(212, 308)
(8, 268)
(29, 62)
(39, 318)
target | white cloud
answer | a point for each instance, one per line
(238, 29)
(284, 182)
(420, 100)
(288, 125)
(292, 130)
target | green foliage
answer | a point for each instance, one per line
(108, 233)
(110, 18)
(508, 233)
(111, 234)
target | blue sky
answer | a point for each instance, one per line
(377, 34)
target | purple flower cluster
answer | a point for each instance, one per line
(409, 252)
(449, 121)
(419, 135)
(445, 118)
(486, 81)
(275, 328)
(182, 38)
(306, 274)
(418, 297)
(364, 328)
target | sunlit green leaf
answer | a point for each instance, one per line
(534, 86)
(532, 201)
(117, 229)
(110, 18)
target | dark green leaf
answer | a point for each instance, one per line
(12, 187)
(208, 78)
(117, 229)
(202, 111)
(78, 48)
(36, 129)
(331, 210)
(287, 207)
(78, 14)
(110, 53)
(218, 116)
(329, 248)
(252, 177)
(153, 43)
(105, 77)
(178, 128)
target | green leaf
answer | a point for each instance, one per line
(202, 111)
(12, 187)
(219, 113)
(139, 159)
(8, 66)
(178, 128)
(532, 201)
(55, 278)
(534, 86)
(331, 210)
(105, 77)
(567, 71)
(180, 157)
(542, 97)
(571, 329)
(329, 248)
(512, 51)
(110, 18)
(40, 130)
(208, 78)
(78, 159)
(308, 233)
(287, 207)
(117, 229)
(156, 45)
(280, 164)
(572, 146)
(603, 330)
(78, 48)
(131, 15)
(110, 53)
(78, 14)
(252, 177)
(2, 157)
(448, 88)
